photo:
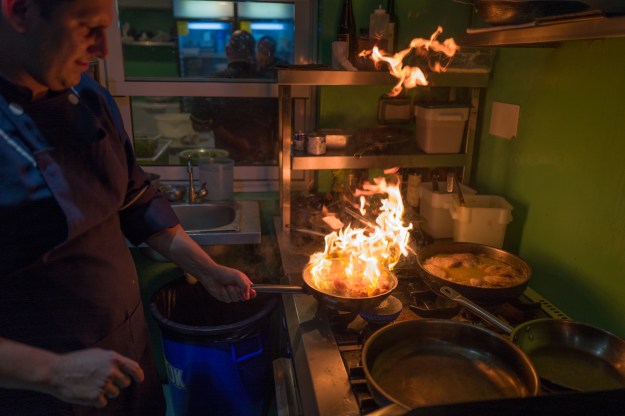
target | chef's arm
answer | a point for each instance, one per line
(224, 283)
(89, 377)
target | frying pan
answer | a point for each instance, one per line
(429, 362)
(568, 354)
(481, 295)
(330, 300)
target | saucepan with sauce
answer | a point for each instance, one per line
(484, 274)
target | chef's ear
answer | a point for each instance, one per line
(15, 13)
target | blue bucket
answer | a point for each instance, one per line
(218, 355)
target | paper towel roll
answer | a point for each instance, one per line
(218, 174)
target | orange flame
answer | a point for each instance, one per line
(410, 77)
(357, 261)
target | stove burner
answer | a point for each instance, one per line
(386, 312)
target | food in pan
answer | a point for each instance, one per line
(356, 288)
(474, 269)
(336, 278)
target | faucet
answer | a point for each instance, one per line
(194, 196)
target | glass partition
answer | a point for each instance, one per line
(193, 76)
(194, 39)
(167, 130)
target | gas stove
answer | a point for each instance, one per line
(325, 347)
(418, 301)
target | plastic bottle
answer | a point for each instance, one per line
(393, 26)
(347, 30)
(378, 28)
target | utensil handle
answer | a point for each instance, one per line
(304, 230)
(482, 313)
(459, 191)
(279, 289)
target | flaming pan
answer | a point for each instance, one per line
(331, 300)
(481, 295)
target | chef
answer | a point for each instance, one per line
(73, 339)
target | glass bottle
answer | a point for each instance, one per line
(393, 26)
(347, 29)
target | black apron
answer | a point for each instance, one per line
(83, 293)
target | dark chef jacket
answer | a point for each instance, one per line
(70, 193)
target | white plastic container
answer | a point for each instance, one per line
(440, 129)
(482, 219)
(434, 207)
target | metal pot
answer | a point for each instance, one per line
(567, 355)
(331, 301)
(482, 295)
(514, 12)
(430, 362)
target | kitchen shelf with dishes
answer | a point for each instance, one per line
(406, 154)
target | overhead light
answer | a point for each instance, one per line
(207, 26)
(267, 26)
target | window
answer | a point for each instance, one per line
(194, 75)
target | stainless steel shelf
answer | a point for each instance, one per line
(545, 33)
(364, 162)
(332, 77)
(346, 159)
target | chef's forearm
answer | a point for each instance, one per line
(175, 244)
(25, 367)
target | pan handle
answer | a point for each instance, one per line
(287, 289)
(482, 313)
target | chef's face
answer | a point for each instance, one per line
(63, 43)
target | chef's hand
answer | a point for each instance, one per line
(224, 283)
(228, 284)
(92, 377)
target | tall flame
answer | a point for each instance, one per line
(356, 261)
(410, 77)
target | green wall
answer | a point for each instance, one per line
(564, 172)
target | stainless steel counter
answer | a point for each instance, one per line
(323, 384)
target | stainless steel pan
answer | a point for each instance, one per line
(430, 362)
(330, 300)
(568, 355)
(481, 295)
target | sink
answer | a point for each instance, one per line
(216, 223)
(208, 217)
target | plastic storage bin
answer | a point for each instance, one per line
(482, 219)
(218, 355)
(440, 129)
(434, 207)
